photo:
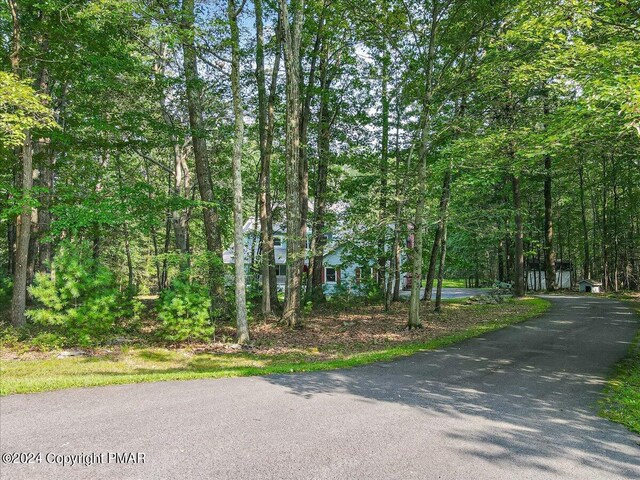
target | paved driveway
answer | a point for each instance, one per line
(450, 292)
(517, 403)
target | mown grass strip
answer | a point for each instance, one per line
(621, 401)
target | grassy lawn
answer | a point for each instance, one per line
(453, 283)
(342, 346)
(621, 402)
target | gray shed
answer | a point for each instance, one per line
(589, 286)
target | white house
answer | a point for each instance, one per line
(336, 270)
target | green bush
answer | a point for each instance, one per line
(348, 294)
(9, 336)
(47, 341)
(183, 310)
(79, 299)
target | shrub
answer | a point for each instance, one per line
(9, 336)
(348, 293)
(47, 341)
(183, 310)
(80, 298)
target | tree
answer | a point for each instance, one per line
(193, 87)
(295, 227)
(238, 223)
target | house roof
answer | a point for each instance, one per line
(589, 281)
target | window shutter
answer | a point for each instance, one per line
(338, 275)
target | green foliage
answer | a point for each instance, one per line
(184, 312)
(80, 299)
(370, 289)
(47, 341)
(21, 108)
(6, 286)
(9, 337)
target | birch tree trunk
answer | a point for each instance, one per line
(238, 233)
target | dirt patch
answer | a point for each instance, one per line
(367, 328)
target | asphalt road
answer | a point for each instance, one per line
(516, 403)
(450, 292)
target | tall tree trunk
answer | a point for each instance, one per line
(194, 94)
(399, 200)
(416, 275)
(180, 218)
(266, 127)
(305, 115)
(443, 255)
(295, 229)
(324, 137)
(127, 247)
(444, 205)
(264, 169)
(40, 248)
(242, 325)
(180, 178)
(384, 156)
(18, 301)
(549, 253)
(585, 229)
(519, 255)
(605, 228)
(501, 277)
(23, 223)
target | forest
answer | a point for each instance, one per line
(143, 142)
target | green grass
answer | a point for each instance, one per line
(453, 283)
(621, 402)
(156, 364)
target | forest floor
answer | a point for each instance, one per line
(333, 337)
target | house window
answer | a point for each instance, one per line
(277, 241)
(281, 270)
(330, 275)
